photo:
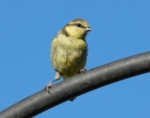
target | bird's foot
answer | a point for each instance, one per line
(47, 87)
(82, 70)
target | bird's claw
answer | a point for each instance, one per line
(82, 70)
(47, 87)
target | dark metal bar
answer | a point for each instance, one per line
(79, 84)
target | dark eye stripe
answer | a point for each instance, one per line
(79, 25)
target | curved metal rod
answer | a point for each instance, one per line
(78, 85)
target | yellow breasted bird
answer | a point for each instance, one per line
(69, 50)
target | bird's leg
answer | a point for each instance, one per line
(82, 70)
(49, 85)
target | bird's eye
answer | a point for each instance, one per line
(78, 25)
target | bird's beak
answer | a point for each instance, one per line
(88, 29)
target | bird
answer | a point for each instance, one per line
(69, 50)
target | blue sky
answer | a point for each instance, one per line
(121, 28)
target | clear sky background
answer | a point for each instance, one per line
(121, 28)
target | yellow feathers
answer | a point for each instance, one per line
(69, 50)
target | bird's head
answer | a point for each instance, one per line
(77, 28)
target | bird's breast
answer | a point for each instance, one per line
(69, 56)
